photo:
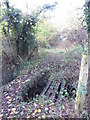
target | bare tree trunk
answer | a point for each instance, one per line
(17, 44)
(8, 34)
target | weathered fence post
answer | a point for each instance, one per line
(82, 84)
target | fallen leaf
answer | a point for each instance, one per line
(15, 112)
(8, 97)
(43, 116)
(46, 109)
(39, 110)
(33, 114)
(22, 113)
(13, 109)
(10, 100)
(39, 117)
(28, 116)
(1, 115)
(35, 104)
(9, 117)
(35, 111)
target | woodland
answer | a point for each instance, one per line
(45, 70)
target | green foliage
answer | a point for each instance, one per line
(21, 29)
(87, 15)
(44, 32)
(25, 34)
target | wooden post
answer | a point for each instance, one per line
(82, 85)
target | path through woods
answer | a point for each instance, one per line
(62, 65)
